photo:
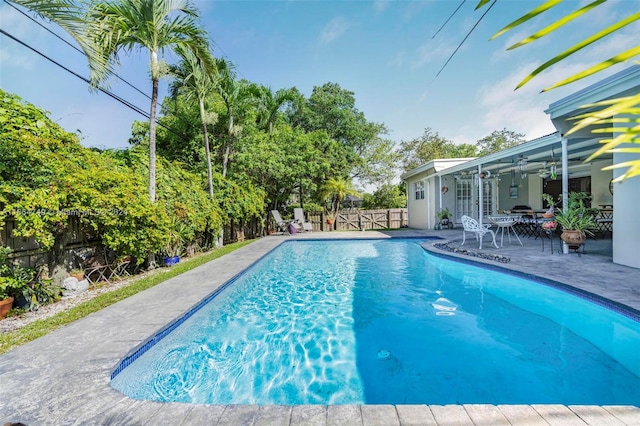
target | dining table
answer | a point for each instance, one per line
(505, 222)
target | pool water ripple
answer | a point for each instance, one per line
(382, 321)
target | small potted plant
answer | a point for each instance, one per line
(77, 274)
(14, 281)
(576, 220)
(443, 216)
(173, 249)
(330, 218)
(547, 198)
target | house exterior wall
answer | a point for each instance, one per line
(626, 226)
(505, 202)
(534, 191)
(418, 209)
(600, 183)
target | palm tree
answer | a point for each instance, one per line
(620, 111)
(269, 103)
(70, 16)
(194, 80)
(336, 190)
(152, 24)
(235, 94)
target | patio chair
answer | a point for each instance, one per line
(280, 223)
(471, 225)
(298, 217)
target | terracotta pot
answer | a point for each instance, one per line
(572, 237)
(330, 221)
(5, 307)
(79, 276)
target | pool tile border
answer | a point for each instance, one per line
(612, 305)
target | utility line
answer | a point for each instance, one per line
(465, 37)
(76, 48)
(105, 91)
(123, 101)
(445, 22)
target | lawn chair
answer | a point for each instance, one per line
(280, 223)
(298, 216)
(471, 225)
(285, 225)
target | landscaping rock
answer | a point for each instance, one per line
(74, 287)
(456, 250)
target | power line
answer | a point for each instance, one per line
(465, 37)
(123, 101)
(445, 22)
(74, 47)
(103, 90)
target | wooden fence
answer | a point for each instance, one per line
(357, 220)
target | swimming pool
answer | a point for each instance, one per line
(383, 321)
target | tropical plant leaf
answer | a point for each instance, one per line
(532, 14)
(634, 169)
(481, 3)
(614, 60)
(549, 29)
(584, 43)
(618, 106)
(610, 144)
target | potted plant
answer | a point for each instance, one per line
(77, 274)
(576, 220)
(547, 198)
(14, 281)
(443, 216)
(173, 249)
(330, 218)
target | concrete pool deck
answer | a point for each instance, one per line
(63, 378)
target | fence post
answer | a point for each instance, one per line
(401, 218)
(388, 218)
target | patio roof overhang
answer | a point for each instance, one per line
(538, 153)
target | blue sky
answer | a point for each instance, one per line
(383, 51)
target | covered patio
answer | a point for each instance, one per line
(513, 180)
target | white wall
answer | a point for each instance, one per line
(418, 209)
(600, 183)
(626, 224)
(534, 191)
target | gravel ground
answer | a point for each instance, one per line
(46, 311)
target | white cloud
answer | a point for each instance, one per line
(334, 30)
(10, 58)
(381, 5)
(429, 52)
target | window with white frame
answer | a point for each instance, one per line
(418, 190)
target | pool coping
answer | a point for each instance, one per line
(63, 378)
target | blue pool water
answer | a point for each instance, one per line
(383, 321)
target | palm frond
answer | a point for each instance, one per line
(532, 14)
(617, 106)
(558, 24)
(584, 43)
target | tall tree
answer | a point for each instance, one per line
(235, 95)
(155, 25)
(431, 146)
(194, 80)
(499, 140)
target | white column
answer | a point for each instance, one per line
(440, 190)
(480, 194)
(427, 196)
(565, 183)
